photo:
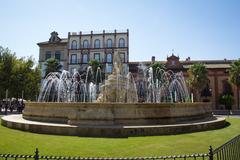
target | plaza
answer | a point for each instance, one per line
(114, 80)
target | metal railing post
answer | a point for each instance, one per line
(36, 156)
(210, 153)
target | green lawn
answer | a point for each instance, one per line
(19, 142)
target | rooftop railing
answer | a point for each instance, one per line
(98, 32)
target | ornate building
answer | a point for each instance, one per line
(78, 49)
(56, 48)
(218, 76)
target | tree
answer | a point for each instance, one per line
(227, 100)
(52, 65)
(95, 66)
(26, 78)
(234, 72)
(198, 78)
(7, 62)
(156, 66)
(18, 75)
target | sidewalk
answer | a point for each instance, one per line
(226, 112)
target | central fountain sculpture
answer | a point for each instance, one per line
(118, 87)
(72, 105)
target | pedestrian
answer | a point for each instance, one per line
(6, 107)
(1, 106)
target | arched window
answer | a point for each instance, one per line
(74, 44)
(121, 43)
(85, 44)
(109, 43)
(109, 58)
(109, 68)
(97, 43)
(73, 59)
(85, 58)
(97, 56)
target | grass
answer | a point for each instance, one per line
(19, 142)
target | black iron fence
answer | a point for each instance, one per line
(228, 151)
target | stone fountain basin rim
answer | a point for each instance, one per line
(128, 104)
(116, 113)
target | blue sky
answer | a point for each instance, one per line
(201, 29)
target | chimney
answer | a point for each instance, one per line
(188, 59)
(153, 59)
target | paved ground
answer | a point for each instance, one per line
(15, 112)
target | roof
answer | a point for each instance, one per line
(63, 40)
(211, 64)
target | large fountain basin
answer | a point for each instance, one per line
(116, 113)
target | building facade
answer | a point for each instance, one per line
(56, 48)
(75, 51)
(218, 77)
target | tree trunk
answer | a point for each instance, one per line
(238, 97)
(197, 95)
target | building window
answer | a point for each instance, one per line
(85, 44)
(74, 59)
(97, 43)
(109, 43)
(48, 55)
(173, 63)
(58, 55)
(97, 56)
(121, 43)
(85, 58)
(74, 44)
(122, 56)
(109, 58)
(109, 68)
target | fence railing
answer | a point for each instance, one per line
(228, 151)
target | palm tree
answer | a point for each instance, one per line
(157, 66)
(234, 72)
(95, 65)
(52, 65)
(198, 78)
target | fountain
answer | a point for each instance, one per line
(120, 106)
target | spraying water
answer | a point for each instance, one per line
(149, 86)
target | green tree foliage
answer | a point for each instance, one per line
(7, 62)
(52, 65)
(157, 66)
(95, 65)
(234, 72)
(18, 75)
(198, 78)
(227, 100)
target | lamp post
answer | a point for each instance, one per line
(22, 94)
(6, 94)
